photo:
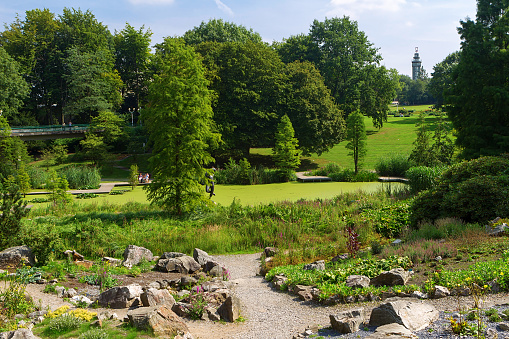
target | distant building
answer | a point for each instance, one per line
(416, 65)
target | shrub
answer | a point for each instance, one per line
(389, 220)
(243, 174)
(337, 173)
(393, 165)
(83, 177)
(327, 169)
(64, 323)
(423, 177)
(95, 333)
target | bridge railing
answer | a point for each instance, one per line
(49, 128)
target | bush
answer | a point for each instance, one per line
(389, 220)
(95, 333)
(64, 323)
(423, 178)
(475, 191)
(83, 177)
(243, 174)
(340, 174)
(393, 165)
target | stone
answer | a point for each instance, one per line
(154, 284)
(438, 258)
(392, 331)
(419, 295)
(154, 297)
(357, 281)
(503, 326)
(21, 333)
(212, 314)
(60, 291)
(160, 320)
(491, 334)
(84, 263)
(441, 292)
(112, 261)
(415, 316)
(15, 257)
(496, 230)
(107, 315)
(347, 321)
(183, 265)
(270, 251)
(279, 281)
(317, 265)
(120, 296)
(216, 271)
(212, 286)
(181, 309)
(71, 293)
(81, 298)
(187, 280)
(201, 257)
(396, 242)
(36, 314)
(340, 257)
(230, 309)
(397, 276)
(494, 286)
(133, 255)
(171, 255)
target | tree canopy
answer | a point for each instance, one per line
(217, 30)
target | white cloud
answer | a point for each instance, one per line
(151, 2)
(355, 7)
(223, 7)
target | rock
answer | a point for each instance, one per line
(154, 297)
(491, 334)
(438, 258)
(84, 263)
(36, 314)
(317, 265)
(441, 292)
(349, 299)
(279, 281)
(133, 255)
(15, 257)
(397, 276)
(419, 295)
(22, 333)
(71, 293)
(215, 270)
(305, 295)
(171, 255)
(81, 298)
(187, 281)
(357, 281)
(270, 251)
(112, 261)
(183, 265)
(107, 315)
(201, 257)
(391, 331)
(415, 316)
(230, 309)
(180, 309)
(494, 286)
(212, 286)
(60, 291)
(120, 296)
(347, 321)
(340, 257)
(495, 229)
(503, 326)
(396, 242)
(160, 320)
(212, 314)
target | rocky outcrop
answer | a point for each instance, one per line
(16, 257)
(181, 264)
(154, 297)
(357, 281)
(230, 309)
(392, 331)
(397, 276)
(347, 321)
(133, 255)
(160, 320)
(22, 333)
(317, 265)
(121, 296)
(415, 316)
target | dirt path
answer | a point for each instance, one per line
(269, 314)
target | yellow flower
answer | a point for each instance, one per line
(501, 273)
(399, 291)
(485, 286)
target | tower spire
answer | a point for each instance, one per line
(416, 65)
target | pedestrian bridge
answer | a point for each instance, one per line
(49, 132)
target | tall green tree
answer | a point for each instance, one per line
(422, 154)
(179, 119)
(318, 122)
(443, 147)
(479, 96)
(356, 136)
(217, 30)
(12, 210)
(132, 53)
(13, 88)
(441, 80)
(285, 152)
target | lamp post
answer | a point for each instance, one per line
(131, 110)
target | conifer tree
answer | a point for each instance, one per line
(286, 153)
(356, 136)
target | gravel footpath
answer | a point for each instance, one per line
(270, 314)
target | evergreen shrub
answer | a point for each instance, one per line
(423, 177)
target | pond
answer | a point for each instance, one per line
(292, 191)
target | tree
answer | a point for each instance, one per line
(286, 153)
(479, 95)
(179, 119)
(12, 210)
(248, 83)
(319, 124)
(13, 88)
(422, 153)
(58, 187)
(217, 30)
(356, 136)
(132, 52)
(134, 176)
(443, 147)
(441, 80)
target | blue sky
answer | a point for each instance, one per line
(396, 27)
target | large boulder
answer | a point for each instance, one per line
(16, 257)
(392, 331)
(347, 321)
(183, 265)
(133, 255)
(315, 266)
(160, 320)
(21, 333)
(120, 296)
(415, 316)
(154, 297)
(208, 263)
(230, 309)
(357, 281)
(397, 276)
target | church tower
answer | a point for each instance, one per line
(416, 65)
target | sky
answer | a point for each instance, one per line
(396, 27)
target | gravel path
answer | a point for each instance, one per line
(276, 315)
